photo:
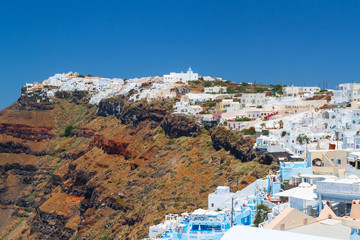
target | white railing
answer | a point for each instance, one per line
(338, 188)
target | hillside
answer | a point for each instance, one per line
(70, 170)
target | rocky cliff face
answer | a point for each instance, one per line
(120, 170)
(174, 125)
(31, 103)
(132, 113)
(177, 126)
(26, 132)
(110, 107)
(238, 145)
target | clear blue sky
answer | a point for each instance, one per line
(300, 42)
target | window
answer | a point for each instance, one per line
(339, 163)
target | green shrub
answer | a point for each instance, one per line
(207, 84)
(244, 119)
(203, 189)
(249, 131)
(261, 213)
(68, 130)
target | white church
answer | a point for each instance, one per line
(181, 77)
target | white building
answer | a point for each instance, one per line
(186, 108)
(242, 232)
(181, 77)
(253, 99)
(235, 125)
(228, 105)
(294, 91)
(215, 89)
(309, 89)
(338, 190)
(200, 97)
(251, 113)
(218, 199)
(348, 92)
(233, 107)
(208, 78)
(300, 197)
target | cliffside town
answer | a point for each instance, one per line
(85, 157)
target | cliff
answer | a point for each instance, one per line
(120, 169)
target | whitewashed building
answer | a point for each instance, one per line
(294, 91)
(181, 77)
(253, 99)
(186, 108)
(215, 89)
(211, 79)
(348, 92)
(218, 199)
(301, 197)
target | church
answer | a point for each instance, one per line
(181, 77)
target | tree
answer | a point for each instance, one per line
(230, 90)
(249, 131)
(261, 214)
(283, 133)
(207, 84)
(279, 89)
(68, 130)
(302, 138)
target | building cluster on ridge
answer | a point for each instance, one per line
(313, 133)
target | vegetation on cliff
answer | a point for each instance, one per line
(119, 170)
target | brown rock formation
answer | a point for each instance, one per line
(113, 147)
(26, 132)
(117, 173)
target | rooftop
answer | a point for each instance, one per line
(241, 232)
(330, 228)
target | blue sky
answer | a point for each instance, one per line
(300, 42)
